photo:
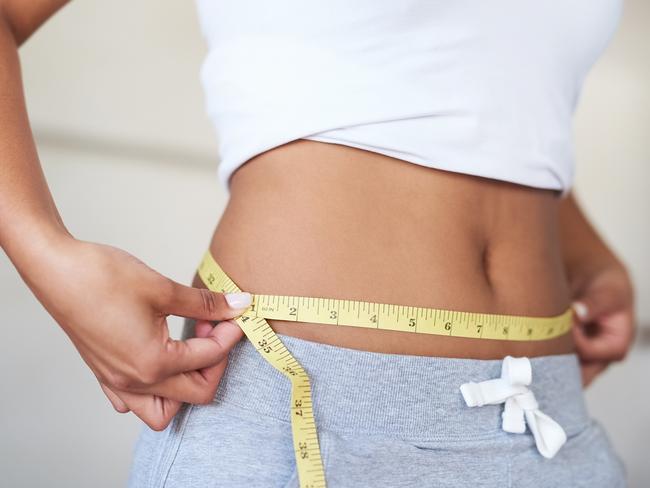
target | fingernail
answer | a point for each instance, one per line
(239, 300)
(580, 309)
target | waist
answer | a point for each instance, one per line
(324, 220)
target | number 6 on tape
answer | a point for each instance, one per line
(356, 313)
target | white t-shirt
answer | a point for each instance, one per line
(486, 88)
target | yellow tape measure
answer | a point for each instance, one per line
(356, 313)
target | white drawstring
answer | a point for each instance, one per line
(520, 404)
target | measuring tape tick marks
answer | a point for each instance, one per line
(354, 313)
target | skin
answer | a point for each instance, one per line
(408, 235)
(414, 236)
(601, 290)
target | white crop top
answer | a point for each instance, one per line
(486, 88)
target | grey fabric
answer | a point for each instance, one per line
(383, 420)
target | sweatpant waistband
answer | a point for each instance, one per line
(402, 396)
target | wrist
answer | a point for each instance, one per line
(27, 243)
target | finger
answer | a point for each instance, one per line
(580, 311)
(198, 387)
(592, 369)
(602, 342)
(199, 352)
(214, 373)
(201, 303)
(157, 412)
(589, 347)
(595, 304)
(115, 400)
(193, 386)
(202, 328)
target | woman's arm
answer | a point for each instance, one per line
(27, 210)
(602, 292)
(111, 305)
(24, 18)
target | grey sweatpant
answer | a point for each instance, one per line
(384, 420)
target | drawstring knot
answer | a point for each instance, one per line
(520, 404)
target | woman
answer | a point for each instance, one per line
(413, 153)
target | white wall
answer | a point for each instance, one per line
(115, 100)
(613, 146)
(121, 72)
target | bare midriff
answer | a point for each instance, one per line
(326, 220)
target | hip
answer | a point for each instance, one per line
(383, 420)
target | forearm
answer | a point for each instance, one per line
(28, 215)
(585, 252)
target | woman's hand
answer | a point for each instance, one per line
(601, 290)
(158, 411)
(605, 328)
(114, 308)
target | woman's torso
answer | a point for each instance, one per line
(316, 219)
(458, 88)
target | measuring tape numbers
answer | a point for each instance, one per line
(354, 313)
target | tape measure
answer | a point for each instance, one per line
(354, 313)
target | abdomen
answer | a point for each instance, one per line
(326, 220)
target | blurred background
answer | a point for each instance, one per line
(117, 110)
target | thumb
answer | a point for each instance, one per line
(204, 304)
(594, 304)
